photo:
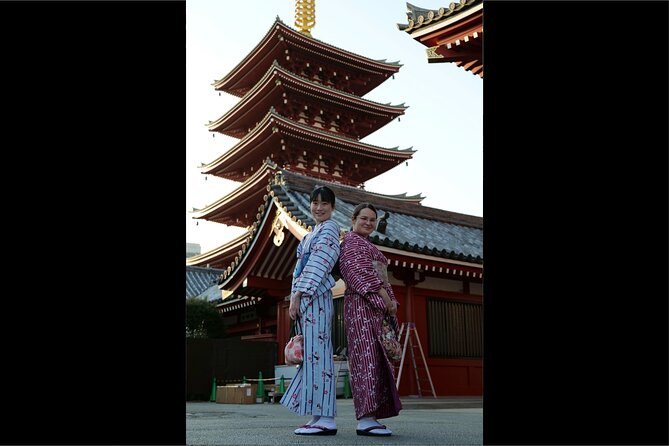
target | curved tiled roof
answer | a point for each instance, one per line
(403, 231)
(233, 82)
(252, 107)
(394, 203)
(199, 279)
(411, 227)
(233, 164)
(224, 253)
(238, 207)
(419, 17)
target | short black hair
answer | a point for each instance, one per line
(325, 193)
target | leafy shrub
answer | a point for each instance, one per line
(203, 320)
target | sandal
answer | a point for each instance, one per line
(322, 431)
(368, 431)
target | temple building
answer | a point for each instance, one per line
(299, 122)
(451, 34)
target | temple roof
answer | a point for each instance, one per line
(410, 226)
(278, 84)
(412, 229)
(282, 140)
(200, 279)
(239, 207)
(281, 39)
(453, 34)
(224, 254)
(421, 17)
(400, 203)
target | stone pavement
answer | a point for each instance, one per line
(423, 421)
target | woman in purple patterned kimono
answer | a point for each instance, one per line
(312, 391)
(368, 299)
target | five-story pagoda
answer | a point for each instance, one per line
(300, 121)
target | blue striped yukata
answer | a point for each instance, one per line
(372, 373)
(312, 391)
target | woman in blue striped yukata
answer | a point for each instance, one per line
(312, 391)
(368, 299)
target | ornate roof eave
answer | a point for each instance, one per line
(223, 84)
(426, 19)
(430, 264)
(234, 275)
(403, 197)
(216, 255)
(381, 153)
(227, 83)
(254, 186)
(273, 80)
(453, 35)
(466, 53)
(273, 122)
(440, 265)
(425, 253)
(240, 262)
(237, 302)
(417, 198)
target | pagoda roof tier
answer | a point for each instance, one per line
(221, 255)
(414, 236)
(289, 94)
(360, 74)
(306, 149)
(239, 207)
(453, 34)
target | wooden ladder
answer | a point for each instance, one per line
(412, 340)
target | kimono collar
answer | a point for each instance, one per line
(364, 237)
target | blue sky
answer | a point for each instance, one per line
(444, 121)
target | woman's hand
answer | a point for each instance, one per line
(294, 308)
(391, 305)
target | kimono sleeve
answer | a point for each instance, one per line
(323, 255)
(355, 263)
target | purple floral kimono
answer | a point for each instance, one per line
(372, 373)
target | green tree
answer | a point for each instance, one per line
(203, 319)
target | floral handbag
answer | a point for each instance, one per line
(293, 352)
(390, 342)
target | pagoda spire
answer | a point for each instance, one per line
(305, 15)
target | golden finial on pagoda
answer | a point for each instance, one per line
(305, 15)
